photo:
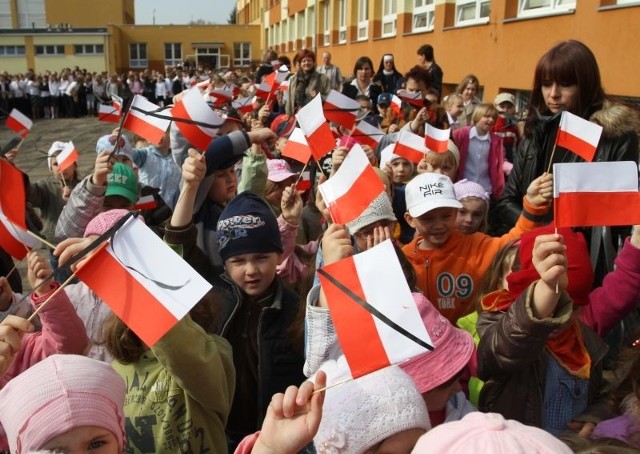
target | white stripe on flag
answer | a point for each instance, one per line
(581, 128)
(351, 168)
(619, 176)
(310, 117)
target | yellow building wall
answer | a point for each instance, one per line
(69, 60)
(14, 65)
(84, 13)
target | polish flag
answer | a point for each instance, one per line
(596, 193)
(108, 113)
(278, 76)
(263, 90)
(437, 139)
(193, 108)
(374, 314)
(146, 202)
(67, 156)
(315, 128)
(353, 187)
(15, 240)
(305, 181)
(410, 97)
(367, 134)
(147, 126)
(396, 105)
(386, 155)
(19, 123)
(284, 86)
(410, 146)
(341, 109)
(221, 96)
(297, 147)
(203, 85)
(13, 206)
(244, 105)
(578, 135)
(148, 298)
(117, 103)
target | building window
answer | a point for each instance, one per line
(172, 53)
(5, 17)
(326, 23)
(31, 13)
(528, 8)
(472, 12)
(138, 55)
(88, 49)
(423, 13)
(12, 51)
(389, 8)
(302, 32)
(241, 54)
(363, 19)
(57, 49)
(292, 31)
(342, 21)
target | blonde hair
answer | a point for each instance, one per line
(484, 110)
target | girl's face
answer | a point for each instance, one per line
(485, 123)
(558, 96)
(81, 440)
(437, 398)
(471, 215)
(445, 169)
(364, 73)
(469, 91)
(401, 170)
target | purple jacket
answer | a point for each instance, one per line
(496, 158)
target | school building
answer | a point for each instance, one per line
(102, 36)
(499, 41)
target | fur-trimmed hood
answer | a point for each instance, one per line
(617, 119)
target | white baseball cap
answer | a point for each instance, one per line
(429, 191)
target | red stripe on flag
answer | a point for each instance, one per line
(143, 128)
(296, 150)
(13, 199)
(342, 117)
(69, 160)
(575, 144)
(196, 136)
(408, 153)
(353, 323)
(364, 139)
(439, 146)
(11, 245)
(129, 299)
(16, 127)
(321, 141)
(583, 209)
(364, 190)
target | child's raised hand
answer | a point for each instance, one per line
(292, 419)
(101, 169)
(12, 329)
(262, 135)
(420, 119)
(70, 247)
(392, 128)
(6, 294)
(337, 158)
(291, 205)
(550, 261)
(424, 166)
(336, 244)
(388, 169)
(39, 273)
(540, 191)
(193, 168)
(320, 205)
(379, 235)
(371, 155)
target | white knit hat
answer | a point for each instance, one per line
(361, 413)
(378, 210)
(465, 188)
(56, 147)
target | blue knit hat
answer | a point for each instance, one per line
(247, 226)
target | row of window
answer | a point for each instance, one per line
(54, 49)
(173, 54)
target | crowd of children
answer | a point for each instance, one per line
(514, 307)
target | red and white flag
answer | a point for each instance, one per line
(437, 139)
(305, 181)
(341, 109)
(315, 128)
(67, 157)
(221, 96)
(396, 105)
(411, 97)
(108, 113)
(15, 240)
(578, 135)
(263, 90)
(275, 78)
(19, 123)
(146, 202)
(284, 86)
(150, 299)
(193, 108)
(297, 147)
(13, 206)
(375, 316)
(353, 187)
(147, 126)
(244, 105)
(117, 103)
(596, 193)
(410, 146)
(367, 134)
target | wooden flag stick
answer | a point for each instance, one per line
(42, 240)
(341, 382)
(67, 282)
(553, 151)
(301, 174)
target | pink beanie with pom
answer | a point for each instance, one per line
(104, 221)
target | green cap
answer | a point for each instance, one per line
(122, 181)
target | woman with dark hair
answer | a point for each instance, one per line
(362, 82)
(388, 77)
(305, 84)
(566, 78)
(468, 89)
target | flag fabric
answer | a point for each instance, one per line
(146, 202)
(297, 147)
(353, 187)
(263, 90)
(596, 194)
(396, 105)
(578, 135)
(341, 109)
(410, 97)
(367, 134)
(108, 113)
(19, 123)
(276, 78)
(221, 96)
(437, 139)
(305, 181)
(193, 108)
(15, 240)
(147, 126)
(148, 298)
(117, 103)
(410, 146)
(13, 205)
(315, 128)
(284, 86)
(244, 105)
(374, 314)
(67, 157)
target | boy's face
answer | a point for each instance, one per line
(253, 272)
(506, 108)
(224, 186)
(401, 170)
(434, 226)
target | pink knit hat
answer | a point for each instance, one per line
(453, 349)
(488, 432)
(58, 394)
(465, 188)
(104, 221)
